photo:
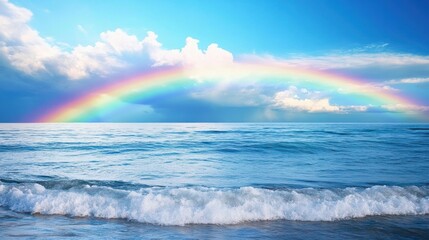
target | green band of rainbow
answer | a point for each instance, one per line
(157, 81)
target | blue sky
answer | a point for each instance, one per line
(54, 50)
(273, 27)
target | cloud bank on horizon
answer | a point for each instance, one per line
(39, 72)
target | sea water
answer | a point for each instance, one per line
(214, 180)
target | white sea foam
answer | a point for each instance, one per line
(179, 206)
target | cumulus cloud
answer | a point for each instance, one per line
(102, 58)
(190, 55)
(308, 101)
(26, 50)
(21, 45)
(160, 56)
(85, 60)
(121, 42)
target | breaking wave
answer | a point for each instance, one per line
(199, 205)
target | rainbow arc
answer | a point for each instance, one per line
(158, 81)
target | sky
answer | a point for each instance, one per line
(340, 61)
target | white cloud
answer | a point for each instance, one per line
(259, 95)
(370, 48)
(345, 60)
(213, 56)
(86, 60)
(15, 13)
(160, 56)
(406, 108)
(27, 51)
(20, 44)
(121, 42)
(308, 101)
(407, 81)
(386, 86)
(102, 58)
(190, 55)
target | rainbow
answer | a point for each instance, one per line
(104, 99)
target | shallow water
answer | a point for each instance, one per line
(214, 180)
(17, 225)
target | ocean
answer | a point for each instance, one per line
(214, 181)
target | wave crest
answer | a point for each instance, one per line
(180, 206)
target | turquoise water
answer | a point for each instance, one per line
(214, 180)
